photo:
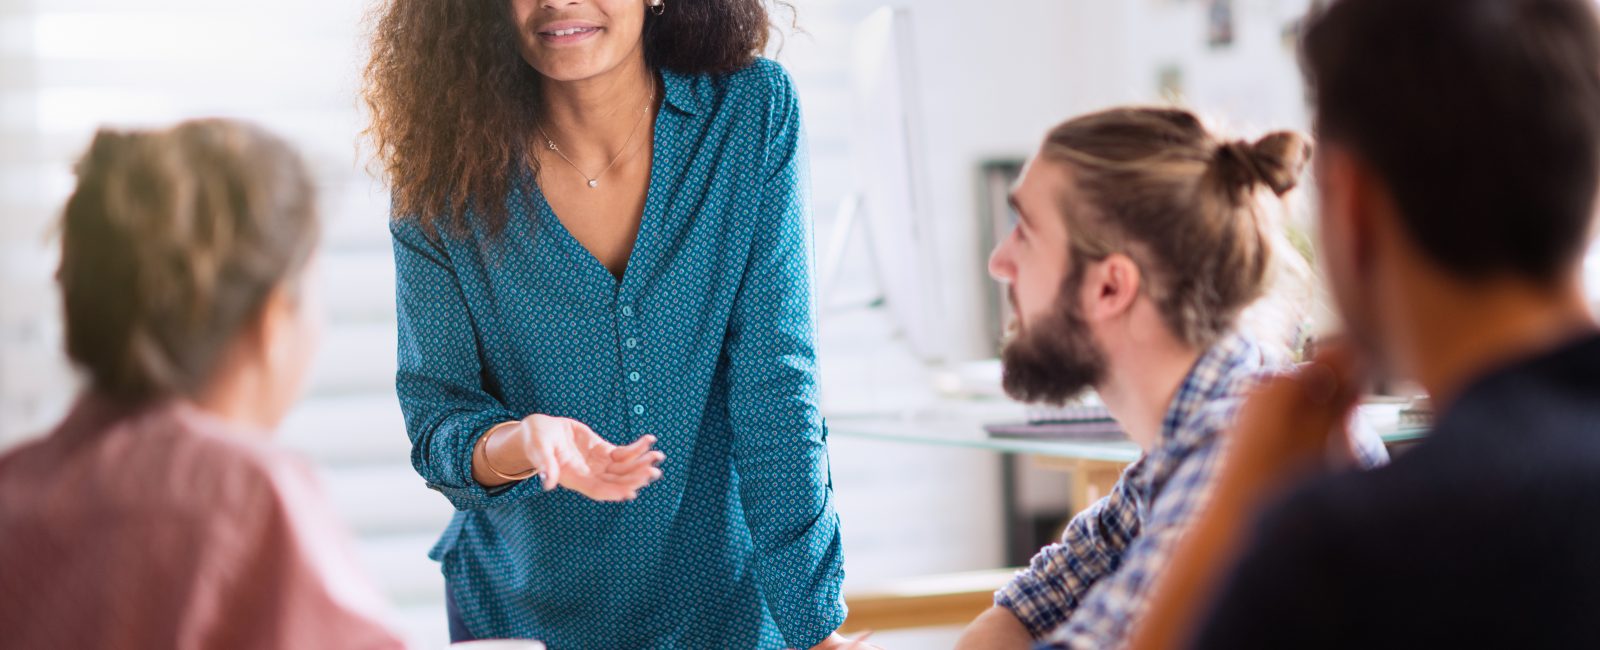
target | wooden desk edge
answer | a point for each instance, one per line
(925, 601)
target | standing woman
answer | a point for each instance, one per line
(601, 244)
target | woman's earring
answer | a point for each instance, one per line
(657, 7)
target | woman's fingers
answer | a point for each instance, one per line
(549, 467)
(634, 449)
(640, 476)
(602, 471)
(622, 493)
(637, 479)
(608, 486)
(647, 459)
(560, 462)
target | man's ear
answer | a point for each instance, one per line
(1111, 286)
(1360, 197)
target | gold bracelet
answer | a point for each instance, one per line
(497, 473)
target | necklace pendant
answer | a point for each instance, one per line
(594, 182)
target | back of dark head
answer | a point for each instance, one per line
(1482, 117)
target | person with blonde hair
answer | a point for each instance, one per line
(158, 513)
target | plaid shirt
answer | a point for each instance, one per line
(1086, 591)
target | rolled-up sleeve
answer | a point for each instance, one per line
(440, 378)
(1104, 616)
(1047, 593)
(780, 450)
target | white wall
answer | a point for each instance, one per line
(20, 201)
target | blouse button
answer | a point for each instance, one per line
(627, 310)
(638, 409)
(633, 376)
(631, 343)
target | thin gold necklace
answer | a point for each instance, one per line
(594, 181)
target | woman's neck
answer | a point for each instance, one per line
(242, 392)
(593, 118)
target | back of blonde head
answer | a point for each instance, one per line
(170, 244)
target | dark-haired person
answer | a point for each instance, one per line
(159, 514)
(601, 241)
(1458, 165)
(1142, 240)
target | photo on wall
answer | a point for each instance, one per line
(1219, 24)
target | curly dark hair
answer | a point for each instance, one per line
(453, 103)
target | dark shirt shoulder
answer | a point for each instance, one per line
(1485, 534)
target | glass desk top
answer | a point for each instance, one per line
(960, 424)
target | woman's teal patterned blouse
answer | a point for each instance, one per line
(707, 342)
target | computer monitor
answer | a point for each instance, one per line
(888, 163)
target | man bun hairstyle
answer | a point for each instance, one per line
(1191, 210)
(1277, 161)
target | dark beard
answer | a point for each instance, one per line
(1055, 359)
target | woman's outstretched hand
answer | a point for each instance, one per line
(568, 453)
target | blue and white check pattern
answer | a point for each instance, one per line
(707, 342)
(1087, 590)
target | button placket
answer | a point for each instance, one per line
(630, 360)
